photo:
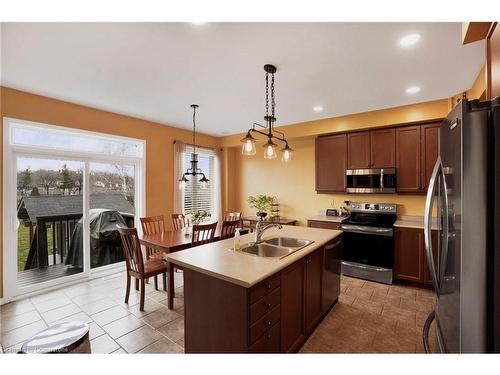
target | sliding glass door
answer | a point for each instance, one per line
(66, 192)
(49, 204)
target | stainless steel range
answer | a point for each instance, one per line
(368, 243)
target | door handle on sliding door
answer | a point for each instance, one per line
(438, 168)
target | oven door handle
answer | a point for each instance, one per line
(367, 230)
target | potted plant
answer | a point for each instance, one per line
(261, 203)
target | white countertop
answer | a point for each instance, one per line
(219, 260)
(335, 219)
(414, 222)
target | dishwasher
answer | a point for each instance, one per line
(331, 273)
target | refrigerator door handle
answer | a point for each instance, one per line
(428, 223)
(446, 230)
(426, 329)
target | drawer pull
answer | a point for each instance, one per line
(268, 285)
(267, 304)
(268, 336)
(268, 323)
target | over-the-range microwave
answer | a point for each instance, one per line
(371, 180)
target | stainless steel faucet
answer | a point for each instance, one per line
(261, 227)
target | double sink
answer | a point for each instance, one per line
(278, 247)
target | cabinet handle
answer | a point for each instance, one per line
(267, 304)
(268, 336)
(268, 285)
(268, 323)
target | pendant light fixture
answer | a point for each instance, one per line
(194, 170)
(270, 147)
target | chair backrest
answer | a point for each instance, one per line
(229, 228)
(132, 250)
(203, 233)
(231, 216)
(153, 224)
(178, 221)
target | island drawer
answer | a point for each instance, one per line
(269, 342)
(264, 305)
(263, 324)
(264, 287)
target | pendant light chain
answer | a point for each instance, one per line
(273, 103)
(194, 130)
(267, 94)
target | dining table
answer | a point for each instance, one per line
(171, 241)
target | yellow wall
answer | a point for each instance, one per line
(159, 138)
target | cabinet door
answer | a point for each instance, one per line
(292, 306)
(358, 150)
(430, 151)
(331, 163)
(314, 267)
(383, 148)
(427, 274)
(408, 178)
(408, 254)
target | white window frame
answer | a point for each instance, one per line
(10, 222)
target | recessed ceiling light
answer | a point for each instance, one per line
(409, 40)
(318, 108)
(412, 90)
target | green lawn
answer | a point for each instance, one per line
(23, 245)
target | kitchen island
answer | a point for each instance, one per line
(237, 302)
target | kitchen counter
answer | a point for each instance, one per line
(414, 222)
(217, 259)
(335, 219)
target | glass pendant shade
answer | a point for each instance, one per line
(182, 182)
(286, 155)
(270, 150)
(204, 182)
(248, 147)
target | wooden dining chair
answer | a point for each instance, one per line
(231, 216)
(136, 266)
(229, 228)
(178, 221)
(203, 233)
(153, 225)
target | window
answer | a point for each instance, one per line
(70, 140)
(195, 198)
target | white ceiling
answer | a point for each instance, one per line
(155, 71)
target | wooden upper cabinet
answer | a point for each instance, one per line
(430, 151)
(331, 163)
(382, 148)
(358, 146)
(408, 159)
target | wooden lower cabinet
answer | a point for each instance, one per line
(314, 272)
(276, 315)
(293, 328)
(410, 262)
(323, 224)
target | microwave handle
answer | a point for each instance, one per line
(381, 180)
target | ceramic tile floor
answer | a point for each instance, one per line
(369, 318)
(114, 326)
(373, 318)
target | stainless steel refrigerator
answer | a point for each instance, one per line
(464, 192)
